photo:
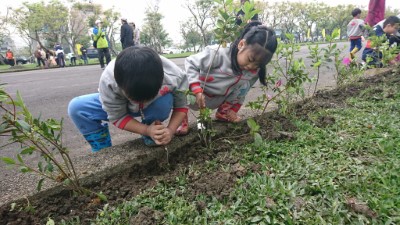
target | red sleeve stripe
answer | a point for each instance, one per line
(121, 123)
(184, 110)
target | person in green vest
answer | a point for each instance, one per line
(101, 43)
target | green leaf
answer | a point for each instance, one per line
(24, 169)
(258, 139)
(20, 158)
(40, 166)
(102, 197)
(3, 126)
(8, 161)
(24, 125)
(40, 184)
(19, 102)
(256, 219)
(50, 222)
(50, 167)
(29, 150)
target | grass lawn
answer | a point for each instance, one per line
(346, 171)
(180, 55)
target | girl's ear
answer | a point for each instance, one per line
(241, 44)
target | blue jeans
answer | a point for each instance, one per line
(355, 43)
(87, 113)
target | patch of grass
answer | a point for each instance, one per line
(345, 173)
(180, 55)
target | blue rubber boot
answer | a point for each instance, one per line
(148, 141)
(99, 139)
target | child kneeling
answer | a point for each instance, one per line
(231, 71)
(139, 83)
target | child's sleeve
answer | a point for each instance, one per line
(200, 64)
(180, 100)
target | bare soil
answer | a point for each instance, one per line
(217, 183)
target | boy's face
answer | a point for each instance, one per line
(391, 29)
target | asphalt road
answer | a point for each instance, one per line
(48, 92)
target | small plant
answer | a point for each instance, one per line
(346, 70)
(254, 131)
(34, 135)
(288, 76)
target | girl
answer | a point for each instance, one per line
(233, 72)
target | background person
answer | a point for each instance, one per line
(126, 34)
(99, 37)
(355, 32)
(39, 53)
(84, 57)
(388, 28)
(10, 59)
(136, 34)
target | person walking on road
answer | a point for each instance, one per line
(126, 34)
(101, 43)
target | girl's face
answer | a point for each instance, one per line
(245, 57)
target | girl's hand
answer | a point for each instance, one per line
(201, 100)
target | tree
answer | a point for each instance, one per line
(190, 34)
(341, 16)
(201, 14)
(4, 32)
(77, 29)
(153, 33)
(41, 22)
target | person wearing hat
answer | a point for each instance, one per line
(126, 34)
(101, 43)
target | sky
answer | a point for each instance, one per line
(173, 10)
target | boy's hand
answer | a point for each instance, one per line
(159, 133)
(164, 138)
(155, 131)
(200, 100)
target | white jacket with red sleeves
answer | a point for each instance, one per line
(117, 105)
(221, 84)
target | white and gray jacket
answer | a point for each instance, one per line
(222, 84)
(118, 106)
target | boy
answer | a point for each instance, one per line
(389, 27)
(139, 83)
(355, 30)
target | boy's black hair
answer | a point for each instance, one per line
(392, 20)
(262, 40)
(139, 73)
(355, 12)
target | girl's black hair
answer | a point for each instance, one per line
(262, 40)
(139, 73)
